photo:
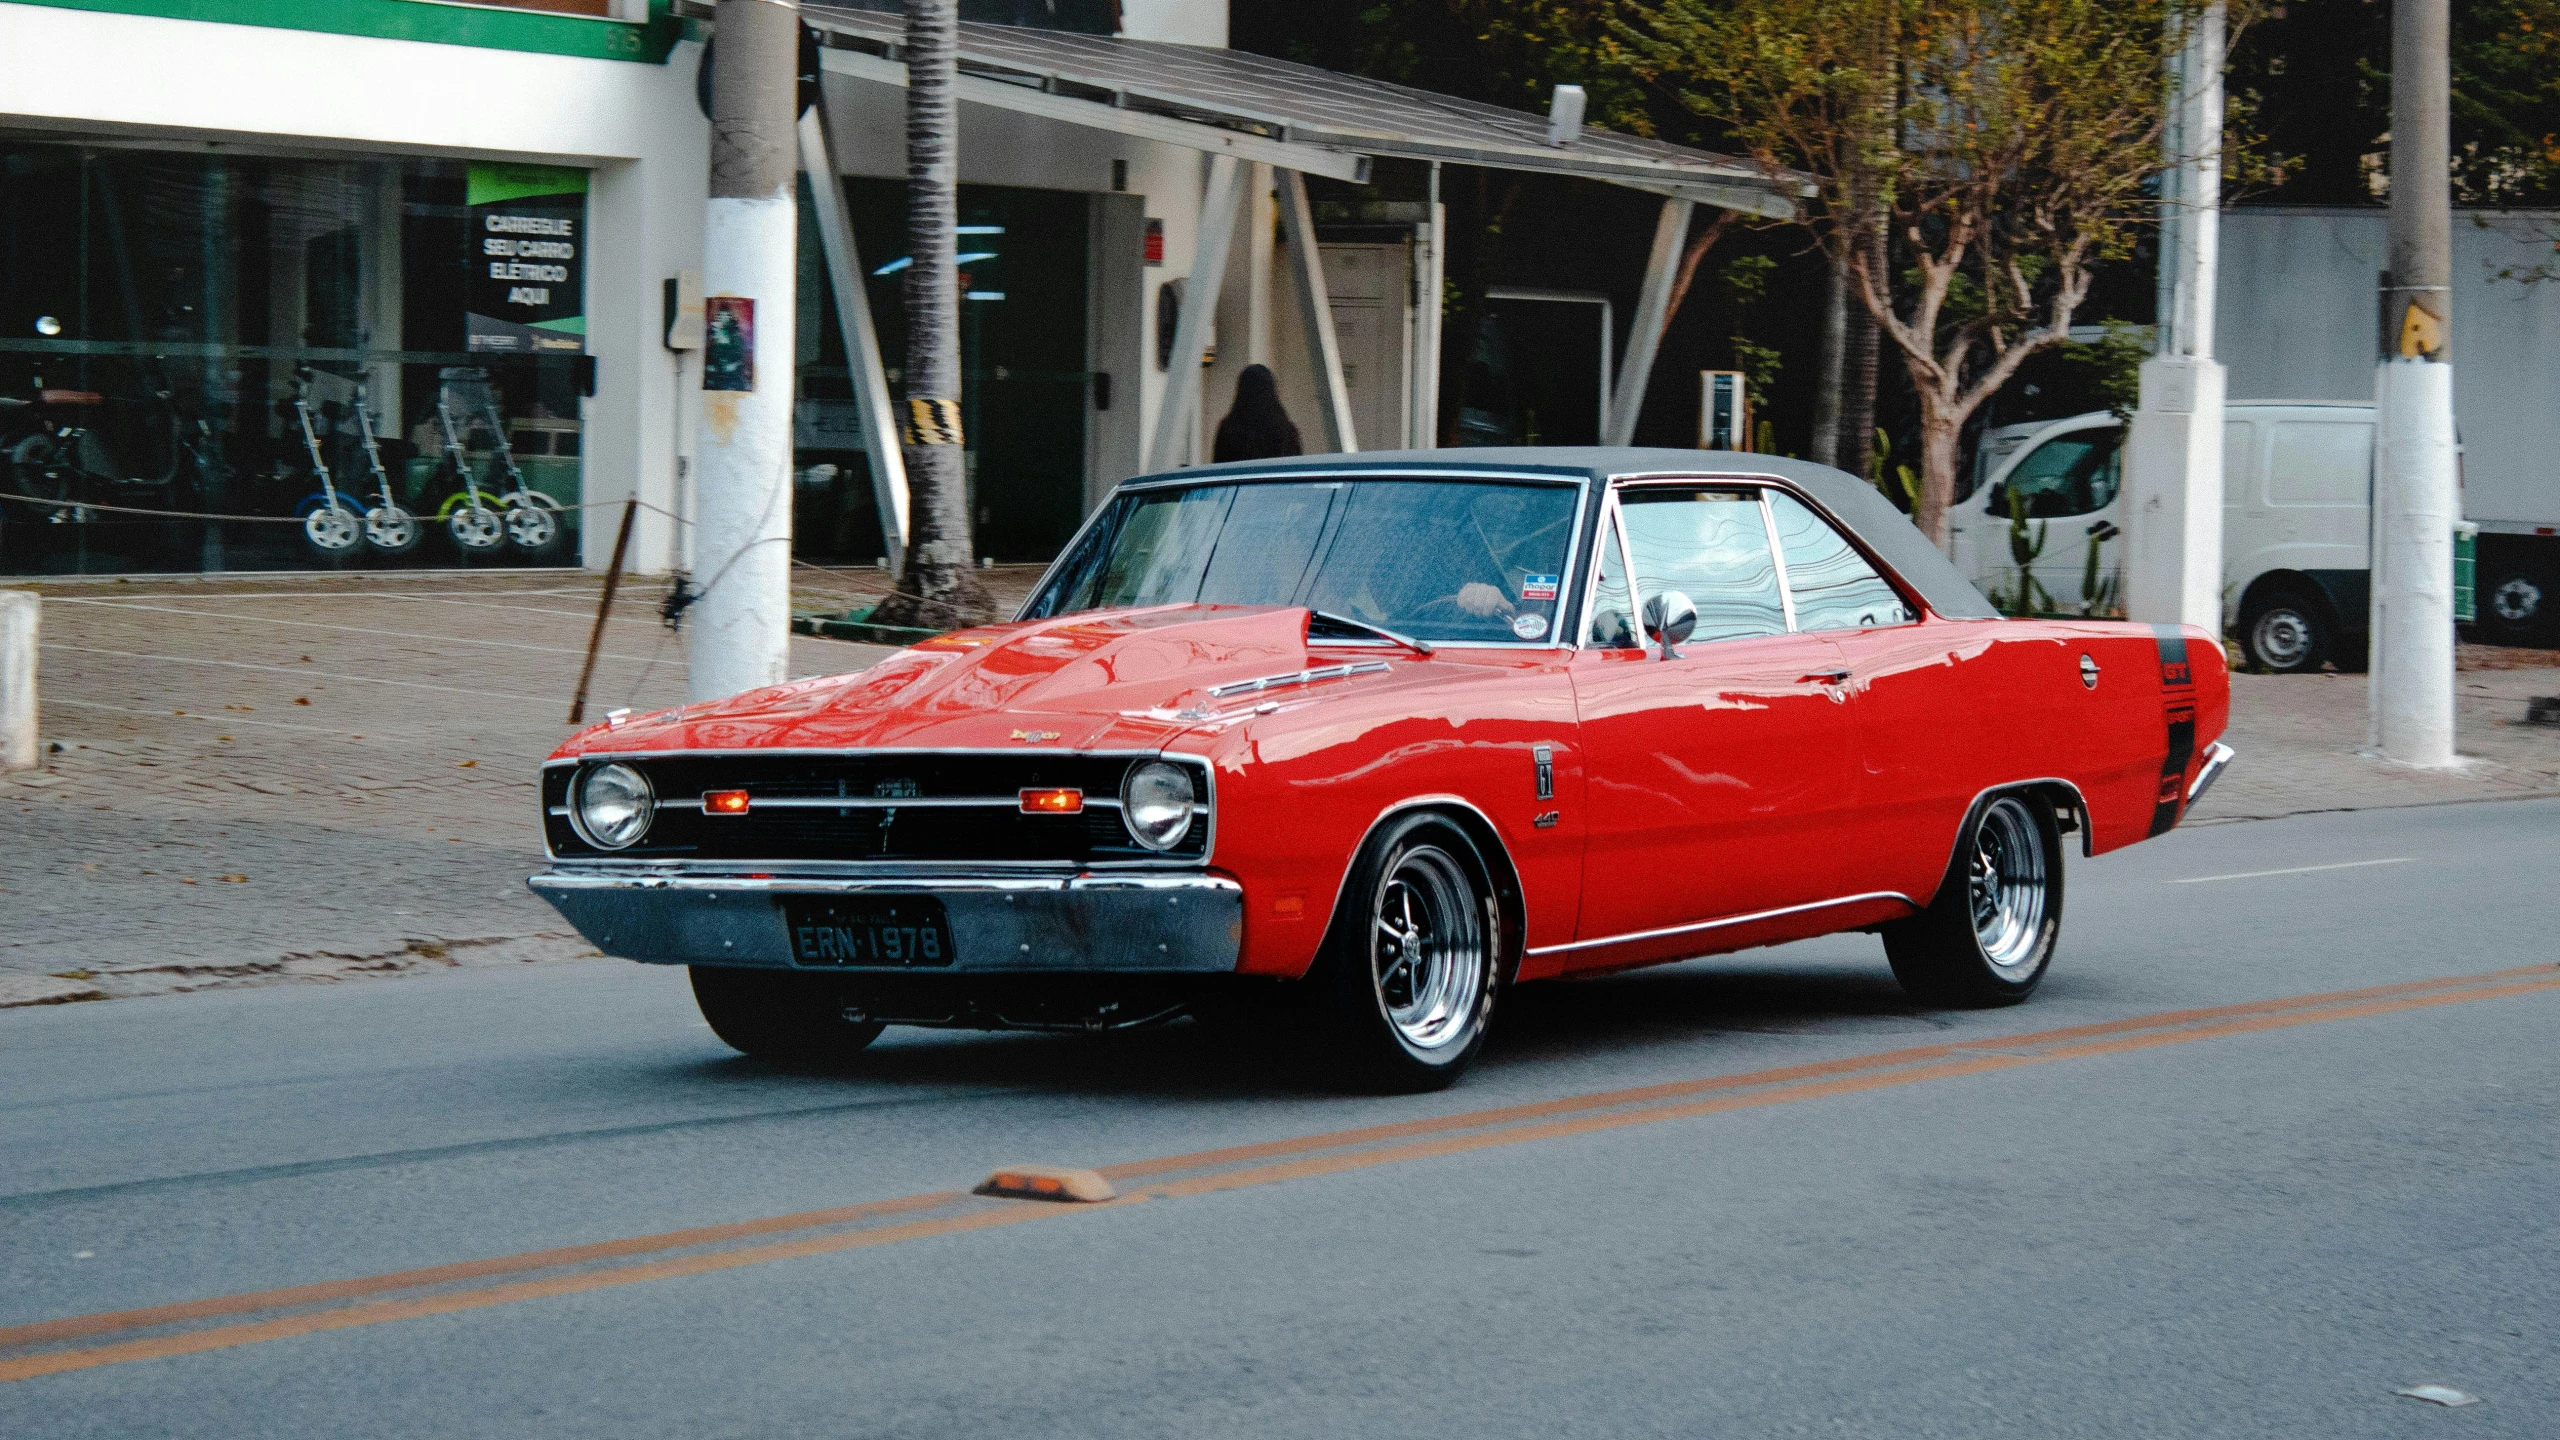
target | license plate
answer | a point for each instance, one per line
(898, 932)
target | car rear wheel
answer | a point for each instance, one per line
(1988, 936)
(2287, 631)
(1407, 981)
(780, 1015)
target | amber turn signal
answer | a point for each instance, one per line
(724, 802)
(1047, 1182)
(1052, 802)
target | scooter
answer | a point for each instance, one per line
(523, 516)
(331, 526)
(388, 527)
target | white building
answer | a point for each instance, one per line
(200, 197)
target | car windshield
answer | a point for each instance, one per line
(1438, 560)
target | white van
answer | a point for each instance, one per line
(2297, 493)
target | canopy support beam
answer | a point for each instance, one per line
(861, 338)
(1315, 315)
(1653, 311)
(1215, 233)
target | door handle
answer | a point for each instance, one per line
(1827, 677)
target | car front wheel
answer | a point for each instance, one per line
(780, 1015)
(1989, 934)
(1407, 981)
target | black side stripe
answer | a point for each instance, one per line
(2178, 713)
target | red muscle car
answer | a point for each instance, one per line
(1369, 739)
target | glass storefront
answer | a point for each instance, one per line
(1024, 382)
(216, 361)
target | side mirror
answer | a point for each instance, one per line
(1668, 620)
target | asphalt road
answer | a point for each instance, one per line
(2256, 1220)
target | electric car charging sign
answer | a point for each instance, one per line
(527, 239)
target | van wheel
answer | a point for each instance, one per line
(2516, 605)
(1404, 989)
(2287, 631)
(1989, 933)
(781, 1015)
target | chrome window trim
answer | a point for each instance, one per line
(1778, 558)
(1892, 578)
(1580, 480)
(1726, 923)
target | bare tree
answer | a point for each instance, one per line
(939, 589)
(2009, 143)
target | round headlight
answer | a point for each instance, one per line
(1155, 803)
(613, 806)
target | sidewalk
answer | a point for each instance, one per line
(257, 779)
(304, 777)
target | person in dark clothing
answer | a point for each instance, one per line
(1257, 428)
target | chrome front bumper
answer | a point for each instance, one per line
(1084, 924)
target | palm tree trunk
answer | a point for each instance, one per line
(940, 589)
(1825, 446)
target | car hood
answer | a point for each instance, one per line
(1121, 679)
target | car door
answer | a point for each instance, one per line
(1719, 775)
(1910, 689)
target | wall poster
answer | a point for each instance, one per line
(528, 276)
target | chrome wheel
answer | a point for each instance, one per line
(332, 529)
(1429, 950)
(2006, 885)
(2281, 639)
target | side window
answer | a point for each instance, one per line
(1833, 585)
(1613, 613)
(2070, 475)
(1712, 546)
(2319, 463)
(2239, 452)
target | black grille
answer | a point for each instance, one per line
(868, 832)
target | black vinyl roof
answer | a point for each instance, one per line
(1851, 501)
(1237, 89)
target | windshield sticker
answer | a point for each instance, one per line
(1529, 627)
(1538, 587)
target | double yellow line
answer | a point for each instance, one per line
(55, 1346)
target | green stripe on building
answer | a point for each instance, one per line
(431, 22)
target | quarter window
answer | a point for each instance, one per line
(1712, 546)
(1833, 585)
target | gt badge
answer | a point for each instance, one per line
(1035, 736)
(2088, 672)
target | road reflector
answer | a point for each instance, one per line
(1046, 1182)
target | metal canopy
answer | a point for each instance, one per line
(1300, 106)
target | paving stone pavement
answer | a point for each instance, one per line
(253, 779)
(258, 778)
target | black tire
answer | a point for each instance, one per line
(1943, 955)
(2288, 630)
(1407, 1015)
(781, 1015)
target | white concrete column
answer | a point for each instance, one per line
(741, 627)
(1653, 312)
(19, 610)
(1261, 220)
(2173, 455)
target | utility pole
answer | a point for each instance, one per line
(2173, 518)
(741, 632)
(2415, 500)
